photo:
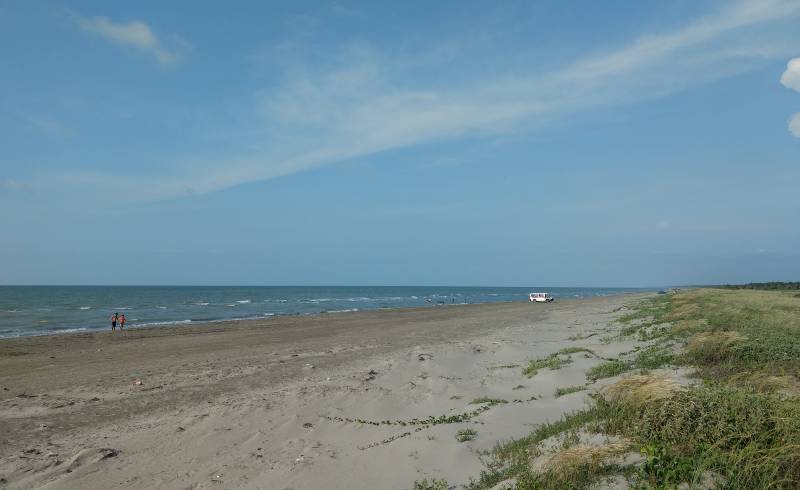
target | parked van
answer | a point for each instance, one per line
(540, 297)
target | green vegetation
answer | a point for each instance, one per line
(738, 427)
(653, 358)
(567, 390)
(420, 423)
(432, 484)
(573, 350)
(607, 369)
(766, 286)
(491, 401)
(465, 435)
(553, 361)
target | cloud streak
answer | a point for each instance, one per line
(368, 102)
(136, 34)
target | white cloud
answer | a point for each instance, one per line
(791, 77)
(794, 125)
(136, 34)
(367, 101)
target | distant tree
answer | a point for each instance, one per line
(768, 286)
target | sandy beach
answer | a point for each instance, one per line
(335, 401)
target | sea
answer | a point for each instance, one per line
(48, 310)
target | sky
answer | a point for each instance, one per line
(560, 143)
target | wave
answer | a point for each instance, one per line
(342, 311)
(85, 308)
(243, 301)
(70, 330)
(196, 304)
(173, 322)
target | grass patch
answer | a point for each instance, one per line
(567, 390)
(432, 484)
(653, 358)
(553, 362)
(608, 369)
(465, 435)
(573, 350)
(490, 401)
(505, 366)
(750, 438)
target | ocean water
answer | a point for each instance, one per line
(43, 310)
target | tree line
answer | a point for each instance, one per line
(771, 286)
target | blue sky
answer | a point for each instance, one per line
(559, 143)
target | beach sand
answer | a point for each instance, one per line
(287, 402)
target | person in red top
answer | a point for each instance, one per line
(122, 321)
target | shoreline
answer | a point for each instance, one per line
(286, 386)
(24, 323)
(82, 331)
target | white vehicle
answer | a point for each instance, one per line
(540, 297)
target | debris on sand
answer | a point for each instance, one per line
(569, 461)
(638, 389)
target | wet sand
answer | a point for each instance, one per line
(286, 402)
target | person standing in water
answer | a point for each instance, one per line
(122, 321)
(114, 319)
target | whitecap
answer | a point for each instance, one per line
(343, 311)
(200, 304)
(243, 301)
(175, 322)
(85, 308)
(70, 330)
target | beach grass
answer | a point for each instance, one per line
(432, 484)
(465, 435)
(567, 390)
(553, 362)
(736, 427)
(489, 401)
(608, 369)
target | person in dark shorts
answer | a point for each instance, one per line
(114, 319)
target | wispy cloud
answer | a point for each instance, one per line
(136, 34)
(794, 125)
(367, 101)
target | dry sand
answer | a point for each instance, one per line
(272, 404)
